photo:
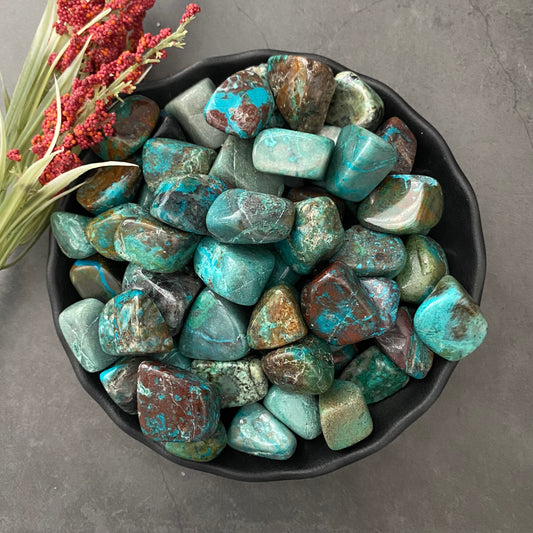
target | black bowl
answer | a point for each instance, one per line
(459, 232)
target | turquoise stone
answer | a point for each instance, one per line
(241, 105)
(146, 197)
(449, 322)
(292, 153)
(215, 329)
(370, 253)
(153, 245)
(174, 358)
(385, 297)
(316, 235)
(183, 202)
(342, 355)
(168, 158)
(131, 324)
(200, 451)
(69, 232)
(344, 415)
(282, 273)
(426, 264)
(257, 432)
(376, 375)
(174, 404)
(402, 204)
(79, 326)
(396, 132)
(303, 367)
(188, 108)
(299, 412)
(95, 277)
(236, 272)
(359, 162)
(245, 217)
(354, 102)
(237, 382)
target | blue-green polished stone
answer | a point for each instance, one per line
(174, 358)
(299, 412)
(236, 272)
(79, 326)
(282, 273)
(96, 277)
(385, 297)
(255, 431)
(359, 162)
(146, 197)
(69, 232)
(200, 451)
(215, 329)
(292, 153)
(449, 322)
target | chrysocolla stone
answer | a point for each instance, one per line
(292, 153)
(200, 451)
(316, 235)
(299, 194)
(153, 245)
(183, 202)
(303, 367)
(174, 358)
(215, 329)
(354, 102)
(168, 158)
(188, 107)
(299, 412)
(402, 204)
(146, 197)
(359, 162)
(403, 347)
(69, 232)
(276, 319)
(369, 253)
(449, 322)
(136, 118)
(282, 273)
(101, 230)
(376, 375)
(235, 166)
(385, 297)
(131, 324)
(342, 355)
(170, 128)
(331, 132)
(303, 89)
(426, 265)
(344, 415)
(245, 217)
(174, 404)
(236, 272)
(396, 132)
(257, 432)
(109, 187)
(95, 277)
(241, 105)
(237, 382)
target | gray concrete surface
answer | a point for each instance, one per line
(467, 465)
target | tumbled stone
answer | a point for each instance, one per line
(316, 235)
(359, 163)
(237, 382)
(303, 89)
(331, 132)
(69, 232)
(282, 273)
(146, 197)
(354, 102)
(299, 194)
(299, 412)
(449, 322)
(237, 272)
(95, 277)
(403, 347)
(136, 117)
(426, 264)
(344, 415)
(402, 204)
(376, 375)
(276, 319)
(131, 324)
(245, 217)
(215, 329)
(183, 202)
(255, 431)
(174, 404)
(396, 132)
(174, 358)
(303, 367)
(385, 297)
(170, 128)
(200, 451)
(292, 153)
(342, 355)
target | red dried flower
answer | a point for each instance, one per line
(190, 11)
(14, 155)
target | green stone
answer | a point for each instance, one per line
(96, 277)
(146, 197)
(174, 358)
(200, 451)
(69, 232)
(282, 273)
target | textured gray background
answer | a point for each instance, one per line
(467, 465)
